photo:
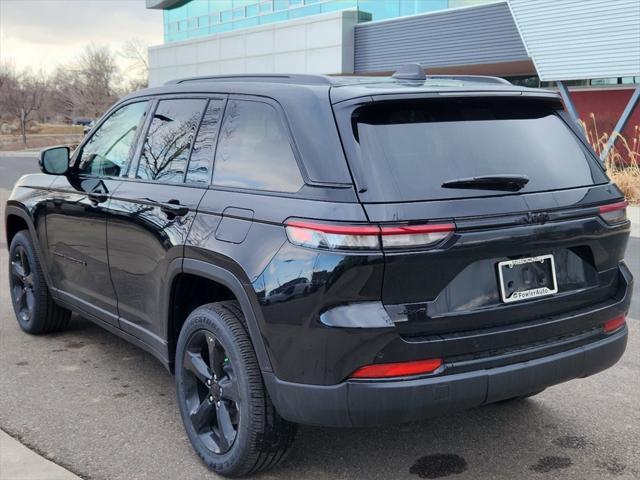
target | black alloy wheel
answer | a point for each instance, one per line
(225, 407)
(35, 309)
(211, 392)
(21, 282)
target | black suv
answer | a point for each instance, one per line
(331, 251)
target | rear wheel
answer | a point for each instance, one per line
(33, 305)
(225, 408)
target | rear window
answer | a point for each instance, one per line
(406, 150)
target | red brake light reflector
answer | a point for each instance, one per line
(614, 206)
(614, 324)
(415, 235)
(418, 229)
(336, 229)
(401, 369)
(614, 212)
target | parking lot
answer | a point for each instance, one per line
(106, 410)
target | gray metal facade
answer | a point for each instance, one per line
(574, 39)
(469, 36)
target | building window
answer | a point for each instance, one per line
(604, 81)
(629, 80)
(266, 7)
(531, 81)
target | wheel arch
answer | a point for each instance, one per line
(16, 219)
(229, 281)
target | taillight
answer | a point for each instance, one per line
(614, 324)
(319, 235)
(614, 212)
(401, 369)
(415, 235)
(330, 236)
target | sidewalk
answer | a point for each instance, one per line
(17, 462)
(633, 212)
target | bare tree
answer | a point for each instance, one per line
(4, 75)
(135, 51)
(21, 95)
(87, 87)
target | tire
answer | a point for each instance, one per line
(230, 421)
(35, 309)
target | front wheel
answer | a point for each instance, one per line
(33, 305)
(225, 408)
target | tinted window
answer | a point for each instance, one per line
(205, 144)
(110, 147)
(168, 142)
(254, 150)
(409, 149)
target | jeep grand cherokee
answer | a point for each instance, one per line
(330, 251)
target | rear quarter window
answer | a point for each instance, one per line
(254, 150)
(406, 150)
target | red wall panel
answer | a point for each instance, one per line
(607, 105)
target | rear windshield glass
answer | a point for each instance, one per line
(409, 150)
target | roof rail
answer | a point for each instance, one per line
(303, 79)
(415, 72)
(473, 78)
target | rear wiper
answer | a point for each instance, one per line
(511, 183)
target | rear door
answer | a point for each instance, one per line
(152, 211)
(520, 192)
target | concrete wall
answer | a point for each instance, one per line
(318, 44)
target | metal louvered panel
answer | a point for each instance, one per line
(466, 36)
(576, 39)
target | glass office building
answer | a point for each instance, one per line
(591, 46)
(198, 18)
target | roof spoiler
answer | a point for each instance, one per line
(415, 72)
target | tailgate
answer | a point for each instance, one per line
(456, 286)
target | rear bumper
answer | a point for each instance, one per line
(367, 403)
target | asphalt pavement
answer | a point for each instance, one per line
(104, 409)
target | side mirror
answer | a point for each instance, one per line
(55, 160)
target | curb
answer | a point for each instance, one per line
(18, 462)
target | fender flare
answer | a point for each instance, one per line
(241, 291)
(14, 209)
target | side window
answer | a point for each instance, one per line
(110, 147)
(254, 150)
(166, 147)
(199, 169)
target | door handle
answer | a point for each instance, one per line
(173, 209)
(96, 197)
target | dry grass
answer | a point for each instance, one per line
(57, 129)
(14, 142)
(622, 162)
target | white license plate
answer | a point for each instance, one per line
(527, 278)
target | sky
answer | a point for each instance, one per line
(45, 33)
